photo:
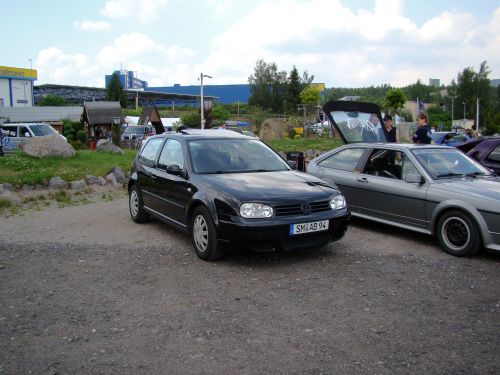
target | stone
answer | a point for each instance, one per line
(57, 183)
(78, 185)
(104, 145)
(95, 180)
(48, 145)
(112, 179)
(120, 176)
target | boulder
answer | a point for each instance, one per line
(78, 185)
(104, 145)
(95, 180)
(120, 176)
(48, 145)
(112, 179)
(57, 183)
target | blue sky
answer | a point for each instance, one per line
(342, 43)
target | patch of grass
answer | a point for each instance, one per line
(61, 196)
(303, 144)
(19, 169)
(5, 203)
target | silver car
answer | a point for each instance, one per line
(431, 189)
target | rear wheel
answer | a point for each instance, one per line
(136, 205)
(458, 234)
(204, 235)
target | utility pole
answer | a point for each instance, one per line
(202, 107)
(452, 111)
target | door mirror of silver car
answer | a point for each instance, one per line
(414, 178)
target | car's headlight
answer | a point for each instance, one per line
(255, 210)
(337, 202)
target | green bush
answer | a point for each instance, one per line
(297, 136)
(292, 133)
(77, 145)
(81, 136)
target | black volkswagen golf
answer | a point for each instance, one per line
(227, 189)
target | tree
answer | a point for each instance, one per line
(395, 99)
(52, 101)
(293, 91)
(115, 92)
(267, 87)
(310, 97)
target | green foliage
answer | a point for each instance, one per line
(72, 131)
(77, 145)
(304, 144)
(418, 91)
(404, 113)
(19, 168)
(395, 99)
(114, 91)
(191, 119)
(52, 101)
(292, 133)
(439, 118)
(310, 95)
(81, 136)
(293, 91)
(219, 113)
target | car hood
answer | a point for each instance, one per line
(483, 188)
(279, 187)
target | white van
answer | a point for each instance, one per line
(14, 135)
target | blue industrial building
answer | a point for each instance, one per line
(224, 93)
(127, 80)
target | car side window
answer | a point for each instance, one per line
(149, 152)
(407, 166)
(345, 160)
(9, 131)
(494, 155)
(172, 154)
(385, 163)
(24, 132)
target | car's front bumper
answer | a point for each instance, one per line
(267, 235)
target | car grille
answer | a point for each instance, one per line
(295, 209)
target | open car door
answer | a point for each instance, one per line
(356, 121)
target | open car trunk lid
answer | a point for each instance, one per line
(356, 121)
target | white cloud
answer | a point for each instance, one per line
(147, 11)
(92, 25)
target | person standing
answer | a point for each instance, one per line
(423, 133)
(392, 131)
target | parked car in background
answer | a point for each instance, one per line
(137, 132)
(227, 189)
(14, 135)
(250, 133)
(486, 150)
(449, 138)
(431, 189)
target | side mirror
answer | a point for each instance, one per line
(414, 178)
(175, 170)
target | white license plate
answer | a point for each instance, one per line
(315, 226)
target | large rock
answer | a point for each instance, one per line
(48, 145)
(104, 145)
(57, 183)
(120, 176)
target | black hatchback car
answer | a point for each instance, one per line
(224, 188)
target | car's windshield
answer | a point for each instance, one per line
(234, 156)
(42, 129)
(134, 130)
(443, 163)
(359, 126)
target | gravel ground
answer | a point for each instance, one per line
(85, 290)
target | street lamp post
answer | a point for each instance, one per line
(464, 112)
(202, 107)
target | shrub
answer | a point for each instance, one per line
(292, 133)
(5, 203)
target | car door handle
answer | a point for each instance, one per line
(362, 179)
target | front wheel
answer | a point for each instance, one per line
(457, 234)
(204, 235)
(136, 205)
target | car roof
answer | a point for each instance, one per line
(192, 134)
(410, 146)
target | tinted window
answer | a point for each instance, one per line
(42, 129)
(234, 156)
(9, 131)
(150, 150)
(359, 126)
(172, 154)
(494, 156)
(344, 160)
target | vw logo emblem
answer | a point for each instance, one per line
(305, 208)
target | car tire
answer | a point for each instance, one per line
(458, 234)
(136, 205)
(204, 235)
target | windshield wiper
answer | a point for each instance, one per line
(444, 175)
